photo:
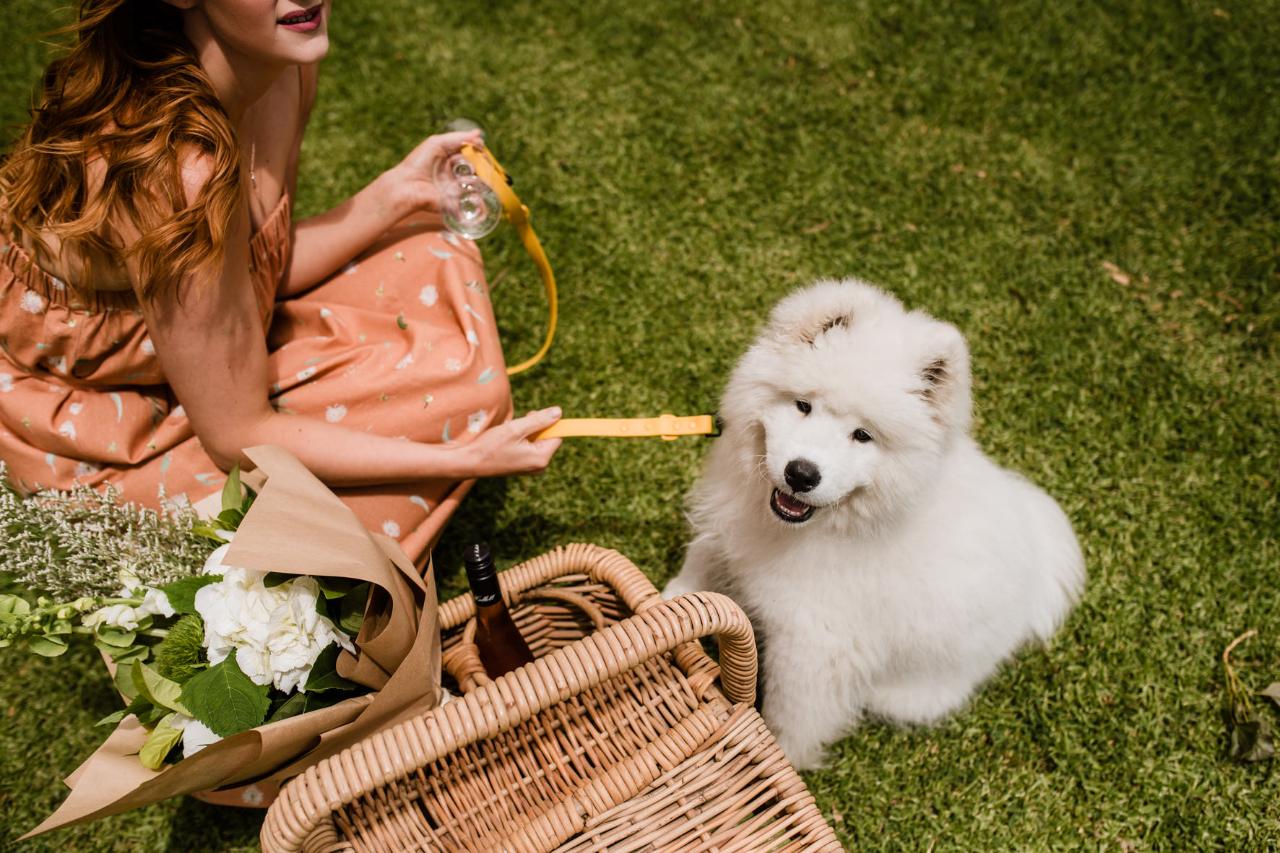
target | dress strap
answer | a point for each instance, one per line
(17, 265)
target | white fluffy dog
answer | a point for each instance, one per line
(887, 563)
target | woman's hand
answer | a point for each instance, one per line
(411, 185)
(509, 448)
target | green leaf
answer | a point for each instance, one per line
(59, 627)
(137, 706)
(49, 647)
(224, 699)
(336, 587)
(326, 607)
(351, 613)
(125, 684)
(324, 673)
(115, 637)
(138, 653)
(160, 690)
(329, 587)
(231, 495)
(182, 593)
(163, 738)
(12, 605)
(152, 714)
(293, 706)
(229, 519)
(112, 719)
(316, 701)
(304, 703)
(208, 531)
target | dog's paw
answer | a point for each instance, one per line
(919, 704)
(803, 753)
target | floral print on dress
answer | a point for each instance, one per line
(32, 302)
(401, 342)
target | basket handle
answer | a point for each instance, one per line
(660, 628)
(495, 707)
(463, 660)
(601, 564)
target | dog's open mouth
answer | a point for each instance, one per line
(789, 508)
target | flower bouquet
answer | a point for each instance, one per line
(299, 634)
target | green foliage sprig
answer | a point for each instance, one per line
(150, 626)
(47, 626)
(80, 542)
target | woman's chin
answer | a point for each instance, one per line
(310, 50)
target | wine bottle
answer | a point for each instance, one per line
(501, 646)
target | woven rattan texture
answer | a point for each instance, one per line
(616, 738)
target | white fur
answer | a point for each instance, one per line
(923, 566)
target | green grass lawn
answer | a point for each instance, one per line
(1088, 190)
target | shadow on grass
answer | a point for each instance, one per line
(200, 826)
(485, 518)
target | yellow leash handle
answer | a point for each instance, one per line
(491, 172)
(666, 426)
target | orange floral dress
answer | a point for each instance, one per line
(402, 342)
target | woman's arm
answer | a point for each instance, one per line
(209, 338)
(323, 243)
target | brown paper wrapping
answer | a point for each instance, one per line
(296, 526)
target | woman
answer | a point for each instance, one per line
(160, 311)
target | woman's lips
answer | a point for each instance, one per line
(304, 21)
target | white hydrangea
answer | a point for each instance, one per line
(275, 631)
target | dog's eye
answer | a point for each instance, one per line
(804, 407)
(861, 436)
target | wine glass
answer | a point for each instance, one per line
(470, 206)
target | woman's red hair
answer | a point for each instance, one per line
(131, 92)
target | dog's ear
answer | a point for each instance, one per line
(823, 325)
(944, 381)
(811, 312)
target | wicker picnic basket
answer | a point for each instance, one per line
(621, 735)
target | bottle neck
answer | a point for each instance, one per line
(485, 589)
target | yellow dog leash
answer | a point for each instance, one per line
(667, 426)
(491, 172)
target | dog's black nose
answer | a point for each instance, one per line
(802, 475)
